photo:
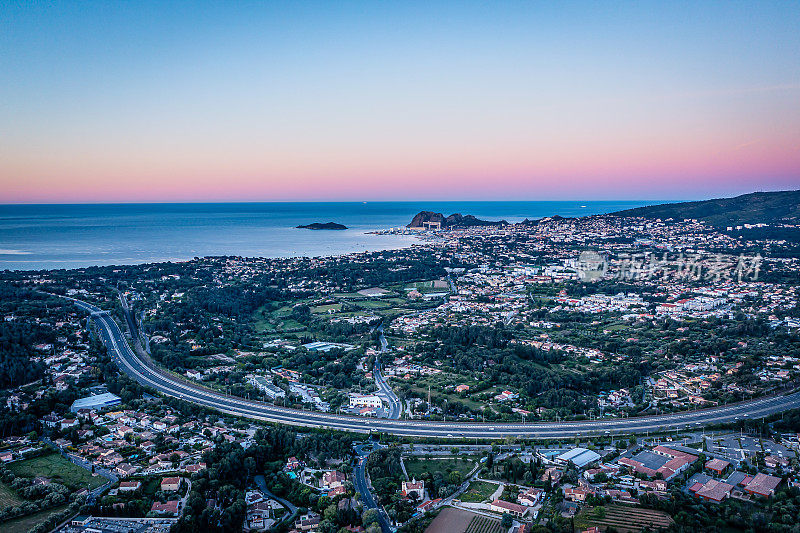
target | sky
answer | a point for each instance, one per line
(282, 101)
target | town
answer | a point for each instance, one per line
(597, 318)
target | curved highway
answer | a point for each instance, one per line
(146, 373)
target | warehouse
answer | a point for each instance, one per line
(95, 403)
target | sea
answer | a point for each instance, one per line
(67, 236)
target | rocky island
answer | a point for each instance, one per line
(431, 220)
(323, 225)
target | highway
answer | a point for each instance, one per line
(145, 372)
(395, 405)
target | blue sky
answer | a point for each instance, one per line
(381, 100)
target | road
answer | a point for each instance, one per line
(291, 509)
(145, 372)
(395, 405)
(362, 486)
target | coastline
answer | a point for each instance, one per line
(46, 237)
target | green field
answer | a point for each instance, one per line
(429, 286)
(8, 498)
(416, 466)
(58, 470)
(321, 309)
(372, 304)
(478, 491)
(24, 524)
(623, 518)
(437, 383)
(265, 321)
(484, 524)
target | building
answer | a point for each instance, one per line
(337, 491)
(415, 488)
(762, 485)
(168, 508)
(365, 400)
(270, 390)
(580, 457)
(321, 346)
(660, 460)
(717, 466)
(171, 484)
(575, 494)
(333, 479)
(553, 474)
(530, 497)
(130, 486)
(712, 490)
(503, 507)
(97, 402)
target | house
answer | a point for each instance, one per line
(171, 484)
(415, 488)
(124, 469)
(657, 485)
(424, 507)
(333, 479)
(530, 497)
(307, 522)
(6, 457)
(130, 486)
(717, 466)
(337, 491)
(168, 508)
(762, 485)
(503, 507)
(575, 494)
(193, 469)
(553, 474)
(80, 520)
(775, 461)
(506, 395)
(713, 490)
(67, 423)
(293, 463)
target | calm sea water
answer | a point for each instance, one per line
(73, 236)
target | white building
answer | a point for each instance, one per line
(365, 400)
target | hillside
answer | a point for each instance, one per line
(753, 208)
(456, 220)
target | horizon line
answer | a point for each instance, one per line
(201, 202)
(713, 196)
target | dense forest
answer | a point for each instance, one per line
(19, 333)
(485, 351)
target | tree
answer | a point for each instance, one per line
(506, 521)
(369, 517)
